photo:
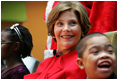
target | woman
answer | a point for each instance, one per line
(67, 23)
(16, 43)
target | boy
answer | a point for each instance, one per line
(96, 56)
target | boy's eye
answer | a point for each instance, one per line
(95, 51)
(110, 51)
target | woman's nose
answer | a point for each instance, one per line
(66, 28)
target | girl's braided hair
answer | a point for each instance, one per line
(26, 42)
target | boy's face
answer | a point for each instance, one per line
(98, 58)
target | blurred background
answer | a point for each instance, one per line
(31, 15)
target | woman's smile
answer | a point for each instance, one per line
(67, 36)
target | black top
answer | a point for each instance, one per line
(113, 76)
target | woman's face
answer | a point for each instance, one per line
(6, 45)
(67, 30)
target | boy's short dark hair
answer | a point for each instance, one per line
(82, 43)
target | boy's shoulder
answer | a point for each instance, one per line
(113, 76)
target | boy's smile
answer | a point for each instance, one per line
(98, 58)
(104, 65)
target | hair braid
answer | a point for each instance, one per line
(27, 44)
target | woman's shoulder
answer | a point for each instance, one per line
(46, 62)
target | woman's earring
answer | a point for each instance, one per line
(53, 36)
(81, 67)
(82, 35)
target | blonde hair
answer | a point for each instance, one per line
(62, 6)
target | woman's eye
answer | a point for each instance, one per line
(59, 24)
(72, 23)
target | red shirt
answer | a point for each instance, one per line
(62, 67)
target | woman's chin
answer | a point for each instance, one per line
(67, 45)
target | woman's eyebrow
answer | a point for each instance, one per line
(58, 20)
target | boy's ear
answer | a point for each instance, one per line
(17, 46)
(80, 63)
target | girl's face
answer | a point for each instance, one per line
(6, 45)
(67, 30)
(99, 58)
